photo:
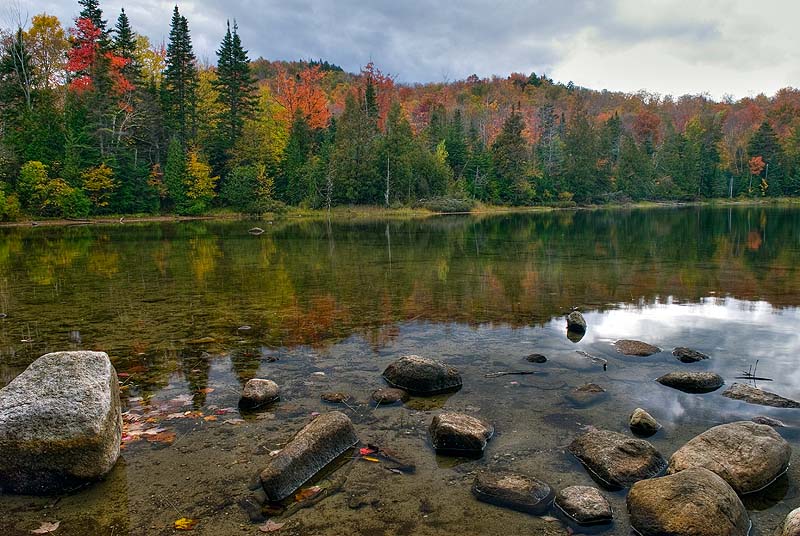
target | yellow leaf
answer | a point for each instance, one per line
(370, 459)
(185, 523)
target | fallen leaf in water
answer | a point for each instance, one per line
(185, 523)
(162, 437)
(233, 421)
(206, 391)
(366, 452)
(46, 528)
(210, 418)
(371, 459)
(271, 526)
(549, 519)
(307, 493)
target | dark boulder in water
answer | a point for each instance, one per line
(692, 382)
(512, 490)
(687, 355)
(459, 434)
(422, 375)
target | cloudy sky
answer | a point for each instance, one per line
(735, 47)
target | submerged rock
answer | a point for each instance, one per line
(637, 348)
(616, 460)
(258, 392)
(769, 421)
(748, 456)
(687, 355)
(536, 358)
(584, 505)
(515, 491)
(422, 375)
(791, 525)
(586, 395)
(576, 323)
(460, 434)
(692, 382)
(695, 502)
(389, 396)
(754, 395)
(320, 442)
(60, 423)
(335, 397)
(643, 423)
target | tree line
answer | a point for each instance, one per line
(98, 120)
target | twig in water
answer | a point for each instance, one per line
(594, 358)
(509, 373)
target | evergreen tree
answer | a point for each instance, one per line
(236, 93)
(90, 9)
(580, 160)
(634, 174)
(396, 157)
(175, 176)
(510, 156)
(456, 143)
(293, 186)
(764, 143)
(352, 165)
(124, 46)
(180, 81)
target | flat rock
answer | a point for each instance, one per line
(584, 505)
(512, 490)
(643, 423)
(460, 434)
(748, 456)
(692, 382)
(335, 397)
(791, 525)
(687, 355)
(769, 421)
(586, 395)
(258, 392)
(616, 460)
(536, 358)
(695, 502)
(60, 423)
(422, 375)
(320, 442)
(576, 322)
(389, 396)
(754, 395)
(637, 348)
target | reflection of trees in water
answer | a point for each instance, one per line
(314, 282)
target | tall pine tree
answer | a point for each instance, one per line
(90, 9)
(180, 81)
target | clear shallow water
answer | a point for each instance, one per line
(344, 299)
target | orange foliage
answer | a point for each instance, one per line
(757, 165)
(303, 92)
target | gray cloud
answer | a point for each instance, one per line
(614, 44)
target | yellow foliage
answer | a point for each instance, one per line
(99, 184)
(199, 182)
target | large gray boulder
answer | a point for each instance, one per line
(422, 375)
(258, 393)
(692, 382)
(748, 456)
(60, 423)
(616, 460)
(459, 434)
(320, 442)
(791, 525)
(584, 505)
(695, 502)
(512, 490)
(754, 395)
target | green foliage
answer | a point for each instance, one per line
(175, 174)
(249, 189)
(180, 81)
(510, 156)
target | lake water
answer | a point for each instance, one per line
(188, 312)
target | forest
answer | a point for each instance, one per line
(96, 119)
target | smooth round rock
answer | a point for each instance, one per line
(335, 397)
(748, 456)
(760, 397)
(460, 434)
(616, 460)
(536, 358)
(635, 348)
(584, 505)
(643, 423)
(576, 322)
(422, 375)
(687, 355)
(692, 382)
(695, 502)
(791, 526)
(389, 396)
(515, 491)
(258, 392)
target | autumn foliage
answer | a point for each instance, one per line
(302, 92)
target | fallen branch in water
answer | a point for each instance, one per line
(750, 374)
(509, 373)
(594, 358)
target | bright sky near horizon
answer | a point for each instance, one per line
(720, 47)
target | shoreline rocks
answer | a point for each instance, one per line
(422, 376)
(319, 443)
(60, 424)
(584, 505)
(642, 423)
(576, 323)
(694, 502)
(635, 348)
(616, 460)
(258, 392)
(692, 382)
(512, 490)
(791, 525)
(459, 434)
(760, 397)
(748, 456)
(687, 355)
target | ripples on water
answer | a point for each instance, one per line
(329, 305)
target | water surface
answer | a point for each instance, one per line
(188, 312)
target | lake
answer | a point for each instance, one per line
(190, 311)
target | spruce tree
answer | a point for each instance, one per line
(124, 45)
(180, 81)
(456, 143)
(765, 144)
(510, 152)
(293, 186)
(175, 175)
(91, 10)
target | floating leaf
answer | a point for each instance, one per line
(307, 493)
(270, 526)
(366, 452)
(371, 459)
(210, 418)
(162, 437)
(46, 528)
(234, 421)
(206, 391)
(185, 523)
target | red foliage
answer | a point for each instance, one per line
(83, 57)
(645, 126)
(303, 92)
(384, 90)
(757, 165)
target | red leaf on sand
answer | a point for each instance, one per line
(271, 526)
(46, 528)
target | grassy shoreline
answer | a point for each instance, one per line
(367, 212)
